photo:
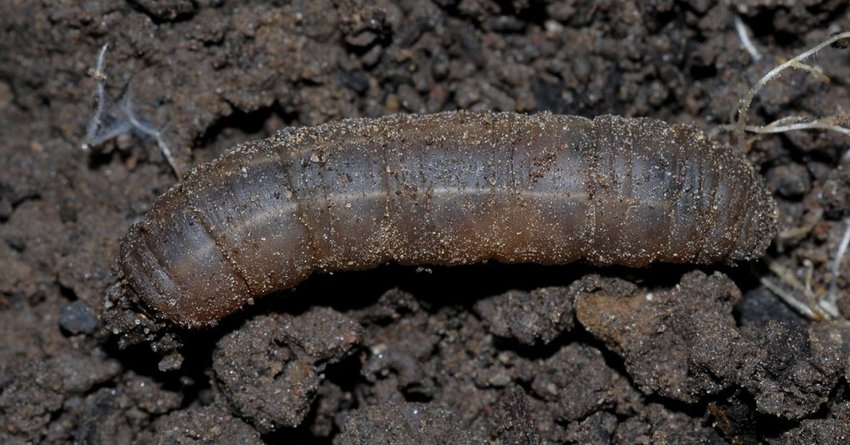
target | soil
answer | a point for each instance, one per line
(478, 354)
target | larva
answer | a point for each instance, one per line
(443, 189)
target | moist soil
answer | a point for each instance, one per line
(477, 354)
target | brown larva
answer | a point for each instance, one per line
(443, 189)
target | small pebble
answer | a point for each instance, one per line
(171, 362)
(76, 318)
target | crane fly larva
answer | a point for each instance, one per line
(442, 189)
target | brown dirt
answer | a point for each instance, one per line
(501, 354)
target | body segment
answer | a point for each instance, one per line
(443, 189)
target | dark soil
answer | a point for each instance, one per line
(480, 354)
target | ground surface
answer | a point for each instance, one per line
(517, 354)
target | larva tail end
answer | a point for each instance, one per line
(176, 267)
(760, 228)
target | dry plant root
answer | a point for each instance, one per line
(821, 305)
(793, 123)
(109, 122)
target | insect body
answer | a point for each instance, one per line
(443, 189)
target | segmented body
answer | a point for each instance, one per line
(443, 189)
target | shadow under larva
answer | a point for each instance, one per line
(443, 189)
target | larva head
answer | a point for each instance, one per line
(170, 260)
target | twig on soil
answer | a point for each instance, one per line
(814, 307)
(95, 123)
(823, 307)
(109, 121)
(138, 125)
(744, 35)
(792, 123)
(832, 295)
(798, 232)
